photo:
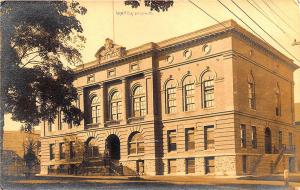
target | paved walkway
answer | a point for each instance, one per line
(271, 182)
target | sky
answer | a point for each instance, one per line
(134, 27)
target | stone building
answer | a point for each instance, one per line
(217, 101)
(297, 126)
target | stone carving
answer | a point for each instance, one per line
(110, 51)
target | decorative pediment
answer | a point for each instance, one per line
(110, 51)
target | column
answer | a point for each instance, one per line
(124, 101)
(80, 103)
(150, 95)
(179, 99)
(103, 106)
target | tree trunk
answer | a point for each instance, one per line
(1, 138)
(1, 106)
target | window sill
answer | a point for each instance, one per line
(92, 125)
(172, 152)
(113, 122)
(189, 111)
(136, 119)
(190, 150)
(171, 114)
(136, 155)
(209, 150)
(209, 108)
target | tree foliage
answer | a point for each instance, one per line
(31, 148)
(36, 38)
(157, 5)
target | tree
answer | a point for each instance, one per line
(157, 5)
(31, 150)
(36, 38)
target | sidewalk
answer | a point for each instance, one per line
(274, 180)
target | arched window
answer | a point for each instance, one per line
(136, 143)
(277, 101)
(251, 92)
(95, 110)
(171, 97)
(139, 102)
(189, 93)
(92, 150)
(115, 106)
(208, 89)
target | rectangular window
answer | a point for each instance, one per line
(171, 100)
(290, 139)
(96, 114)
(190, 139)
(244, 160)
(133, 148)
(190, 165)
(208, 89)
(280, 139)
(172, 140)
(72, 150)
(49, 126)
(190, 99)
(254, 137)
(116, 110)
(91, 78)
(51, 151)
(277, 111)
(172, 166)
(134, 67)
(209, 137)
(243, 136)
(251, 95)
(62, 151)
(143, 106)
(111, 73)
(209, 165)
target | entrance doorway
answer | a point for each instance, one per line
(268, 141)
(113, 147)
(291, 164)
(140, 167)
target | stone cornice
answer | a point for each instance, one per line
(197, 37)
(270, 51)
(82, 69)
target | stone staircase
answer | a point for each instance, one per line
(103, 167)
(267, 164)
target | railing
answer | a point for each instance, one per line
(115, 168)
(135, 119)
(258, 160)
(284, 149)
(291, 149)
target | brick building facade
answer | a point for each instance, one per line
(217, 101)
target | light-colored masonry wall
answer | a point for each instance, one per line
(231, 58)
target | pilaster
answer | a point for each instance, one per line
(150, 95)
(124, 101)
